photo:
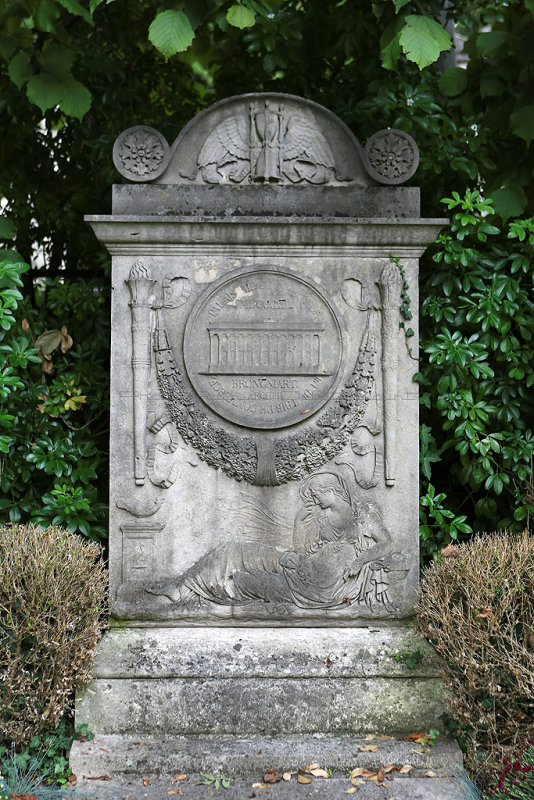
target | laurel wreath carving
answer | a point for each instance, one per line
(296, 455)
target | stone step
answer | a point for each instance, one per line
(162, 681)
(335, 788)
(249, 757)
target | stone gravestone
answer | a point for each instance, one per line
(264, 434)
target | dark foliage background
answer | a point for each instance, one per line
(74, 75)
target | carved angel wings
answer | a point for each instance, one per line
(302, 153)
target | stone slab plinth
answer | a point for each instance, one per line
(176, 681)
(112, 767)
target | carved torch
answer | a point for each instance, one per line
(390, 285)
(141, 287)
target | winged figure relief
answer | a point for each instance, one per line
(307, 156)
(225, 155)
(303, 151)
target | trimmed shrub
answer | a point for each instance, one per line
(52, 592)
(476, 607)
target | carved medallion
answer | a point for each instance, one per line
(263, 349)
(392, 156)
(141, 153)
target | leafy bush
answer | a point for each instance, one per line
(477, 609)
(516, 777)
(477, 330)
(53, 394)
(52, 591)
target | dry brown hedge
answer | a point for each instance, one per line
(52, 596)
(477, 608)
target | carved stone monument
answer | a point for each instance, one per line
(264, 430)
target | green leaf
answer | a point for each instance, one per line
(240, 17)
(44, 90)
(400, 4)
(171, 32)
(490, 41)
(58, 60)
(390, 48)
(423, 39)
(7, 228)
(74, 7)
(491, 86)
(20, 69)
(76, 100)
(509, 201)
(93, 5)
(522, 123)
(453, 81)
(45, 15)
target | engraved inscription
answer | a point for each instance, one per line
(263, 349)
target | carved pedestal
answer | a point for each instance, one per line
(264, 430)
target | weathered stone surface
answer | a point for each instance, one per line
(266, 201)
(248, 757)
(189, 681)
(264, 430)
(335, 788)
(262, 653)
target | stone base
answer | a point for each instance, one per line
(236, 702)
(242, 758)
(122, 767)
(168, 682)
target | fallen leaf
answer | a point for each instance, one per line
(356, 772)
(104, 749)
(310, 767)
(421, 750)
(356, 782)
(97, 778)
(178, 778)
(319, 773)
(389, 768)
(351, 790)
(271, 776)
(23, 797)
(140, 745)
(328, 662)
(303, 779)
(414, 737)
(430, 774)
(370, 748)
(406, 768)
(72, 780)
(384, 738)
(25, 325)
(286, 776)
(260, 785)
(146, 782)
